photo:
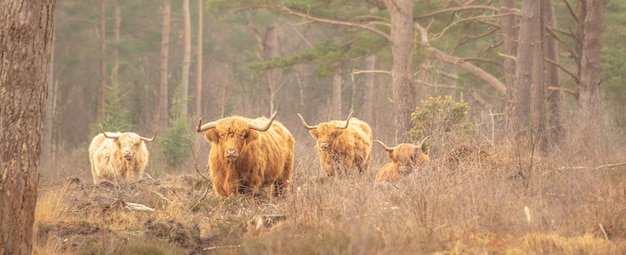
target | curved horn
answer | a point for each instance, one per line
(347, 121)
(422, 143)
(206, 126)
(150, 139)
(385, 146)
(306, 125)
(262, 128)
(113, 136)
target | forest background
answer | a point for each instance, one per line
(160, 65)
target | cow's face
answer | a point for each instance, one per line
(407, 157)
(325, 134)
(230, 137)
(129, 144)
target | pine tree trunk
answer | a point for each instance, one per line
(199, 60)
(336, 98)
(592, 24)
(538, 93)
(103, 71)
(161, 114)
(520, 93)
(186, 58)
(26, 30)
(403, 92)
(550, 44)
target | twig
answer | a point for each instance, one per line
(603, 232)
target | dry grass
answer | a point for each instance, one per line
(506, 203)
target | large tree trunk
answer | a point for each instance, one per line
(592, 28)
(520, 93)
(199, 60)
(186, 58)
(403, 92)
(26, 29)
(161, 114)
(552, 78)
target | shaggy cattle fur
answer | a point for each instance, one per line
(343, 147)
(118, 156)
(248, 155)
(405, 158)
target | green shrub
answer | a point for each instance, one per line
(439, 116)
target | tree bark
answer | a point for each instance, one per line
(538, 92)
(520, 92)
(592, 28)
(26, 31)
(403, 92)
(552, 78)
(103, 71)
(336, 97)
(368, 97)
(162, 114)
(199, 60)
(186, 58)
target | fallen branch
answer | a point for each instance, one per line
(221, 247)
(137, 207)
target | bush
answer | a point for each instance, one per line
(439, 116)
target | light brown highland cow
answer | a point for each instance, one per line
(343, 147)
(248, 155)
(118, 156)
(405, 158)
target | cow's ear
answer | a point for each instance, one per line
(314, 133)
(252, 135)
(390, 154)
(211, 136)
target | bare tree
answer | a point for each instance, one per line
(161, 108)
(552, 77)
(26, 32)
(186, 58)
(199, 60)
(103, 72)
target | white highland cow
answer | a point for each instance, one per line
(116, 156)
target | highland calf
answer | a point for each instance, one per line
(248, 155)
(342, 146)
(405, 158)
(118, 156)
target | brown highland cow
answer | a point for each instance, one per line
(342, 146)
(248, 155)
(405, 158)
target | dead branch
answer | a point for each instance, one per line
(327, 21)
(137, 207)
(221, 247)
(552, 33)
(476, 71)
(570, 73)
(457, 9)
(568, 91)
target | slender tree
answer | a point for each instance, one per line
(199, 59)
(103, 70)
(162, 106)
(186, 58)
(26, 32)
(552, 77)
